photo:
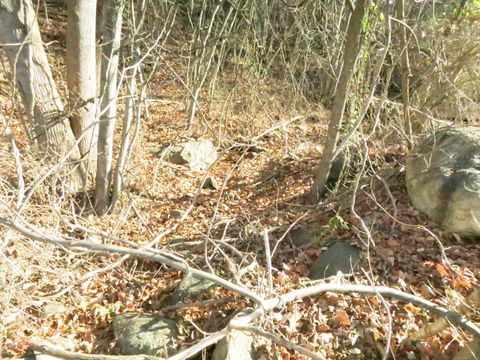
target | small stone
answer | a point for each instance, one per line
(147, 334)
(176, 214)
(210, 183)
(301, 237)
(341, 256)
(51, 308)
(197, 155)
(190, 287)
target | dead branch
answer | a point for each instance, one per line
(471, 351)
(150, 254)
(202, 344)
(45, 347)
(285, 343)
(431, 329)
(452, 316)
(264, 305)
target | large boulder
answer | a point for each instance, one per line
(443, 179)
(197, 155)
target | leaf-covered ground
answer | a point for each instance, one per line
(258, 190)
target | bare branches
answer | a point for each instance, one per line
(352, 46)
(285, 343)
(471, 302)
(452, 316)
(139, 253)
(264, 304)
(18, 161)
(45, 347)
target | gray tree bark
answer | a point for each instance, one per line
(21, 39)
(130, 107)
(81, 76)
(111, 36)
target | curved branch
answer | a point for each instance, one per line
(45, 347)
(452, 316)
(34, 234)
(264, 305)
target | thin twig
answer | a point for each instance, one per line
(268, 259)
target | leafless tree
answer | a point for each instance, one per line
(48, 124)
(110, 37)
(81, 76)
(351, 49)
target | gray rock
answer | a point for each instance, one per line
(237, 345)
(341, 256)
(301, 237)
(196, 155)
(336, 170)
(147, 334)
(443, 179)
(51, 308)
(176, 213)
(190, 287)
(210, 183)
(56, 341)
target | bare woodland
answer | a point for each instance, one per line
(308, 111)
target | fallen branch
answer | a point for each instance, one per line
(45, 347)
(202, 344)
(471, 351)
(118, 262)
(285, 343)
(431, 329)
(452, 316)
(149, 254)
(263, 305)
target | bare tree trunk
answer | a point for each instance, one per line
(130, 107)
(405, 66)
(350, 53)
(81, 75)
(99, 55)
(20, 34)
(111, 34)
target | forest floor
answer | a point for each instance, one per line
(257, 191)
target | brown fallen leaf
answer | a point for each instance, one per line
(341, 319)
